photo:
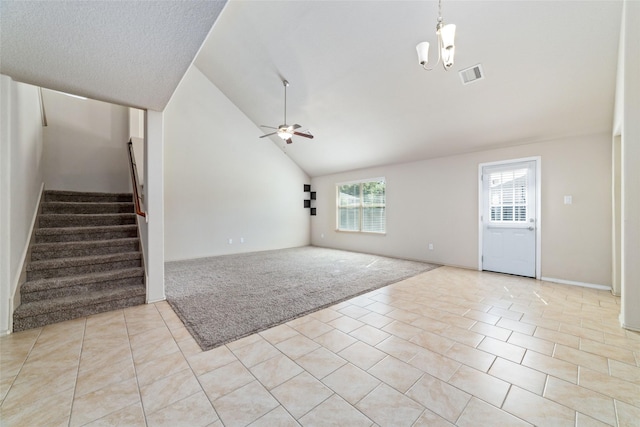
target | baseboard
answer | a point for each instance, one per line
(575, 283)
(25, 258)
(628, 327)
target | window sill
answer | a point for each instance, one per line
(376, 233)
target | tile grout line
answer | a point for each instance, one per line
(269, 390)
(15, 377)
(75, 385)
(135, 368)
(186, 359)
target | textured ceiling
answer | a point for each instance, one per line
(550, 71)
(127, 52)
(550, 67)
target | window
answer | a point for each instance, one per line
(362, 206)
(508, 195)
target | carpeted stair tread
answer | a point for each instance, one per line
(82, 279)
(72, 262)
(73, 234)
(43, 251)
(82, 244)
(60, 267)
(39, 320)
(100, 229)
(78, 196)
(81, 208)
(74, 301)
(85, 220)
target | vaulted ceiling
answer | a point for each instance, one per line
(550, 68)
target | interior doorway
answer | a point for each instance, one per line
(510, 217)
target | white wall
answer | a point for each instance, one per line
(21, 178)
(136, 123)
(629, 87)
(152, 230)
(223, 182)
(436, 201)
(85, 145)
(136, 133)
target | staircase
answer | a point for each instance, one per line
(86, 259)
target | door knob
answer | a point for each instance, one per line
(531, 228)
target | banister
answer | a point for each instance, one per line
(134, 180)
(43, 113)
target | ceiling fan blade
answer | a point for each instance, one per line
(289, 141)
(269, 127)
(269, 134)
(306, 135)
(296, 126)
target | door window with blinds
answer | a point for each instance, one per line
(362, 206)
(508, 195)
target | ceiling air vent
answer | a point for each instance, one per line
(471, 74)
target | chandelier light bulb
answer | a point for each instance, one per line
(447, 35)
(423, 53)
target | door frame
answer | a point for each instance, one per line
(538, 168)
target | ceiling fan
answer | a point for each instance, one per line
(285, 131)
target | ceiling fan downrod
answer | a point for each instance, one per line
(285, 83)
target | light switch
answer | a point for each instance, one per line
(568, 200)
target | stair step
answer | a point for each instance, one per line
(75, 234)
(78, 196)
(85, 220)
(58, 287)
(82, 265)
(85, 259)
(44, 251)
(86, 207)
(40, 313)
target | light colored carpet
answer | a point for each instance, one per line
(221, 299)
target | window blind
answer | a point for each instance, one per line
(362, 206)
(508, 195)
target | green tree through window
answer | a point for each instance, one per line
(362, 206)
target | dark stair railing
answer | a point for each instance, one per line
(134, 180)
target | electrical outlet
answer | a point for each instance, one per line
(230, 241)
(430, 246)
(322, 236)
(242, 240)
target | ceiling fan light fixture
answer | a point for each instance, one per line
(285, 134)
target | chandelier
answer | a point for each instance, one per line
(446, 48)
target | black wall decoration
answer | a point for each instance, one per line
(307, 202)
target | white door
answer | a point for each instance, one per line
(509, 218)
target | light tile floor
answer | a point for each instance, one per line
(447, 347)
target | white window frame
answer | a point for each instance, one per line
(515, 204)
(361, 207)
